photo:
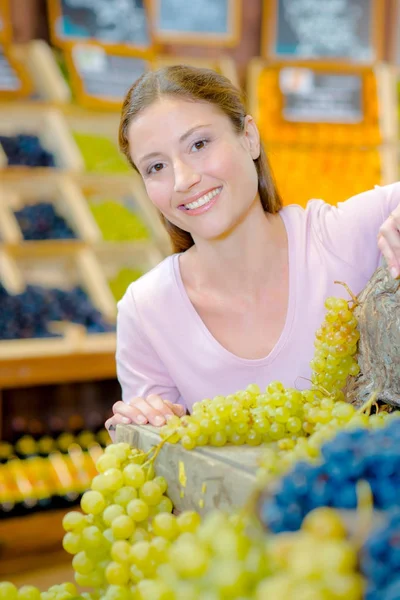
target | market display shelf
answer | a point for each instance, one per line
(49, 125)
(53, 188)
(20, 266)
(225, 65)
(203, 478)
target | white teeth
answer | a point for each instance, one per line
(203, 200)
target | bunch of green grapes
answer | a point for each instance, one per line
(319, 561)
(277, 460)
(126, 525)
(63, 591)
(251, 417)
(117, 223)
(335, 347)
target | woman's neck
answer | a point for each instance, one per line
(246, 260)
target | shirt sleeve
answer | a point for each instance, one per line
(139, 369)
(350, 229)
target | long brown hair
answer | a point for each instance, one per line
(195, 84)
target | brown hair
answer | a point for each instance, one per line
(202, 85)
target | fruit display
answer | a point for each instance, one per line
(100, 154)
(323, 172)
(361, 454)
(122, 280)
(26, 150)
(28, 314)
(41, 222)
(118, 221)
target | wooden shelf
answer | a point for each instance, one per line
(29, 542)
(58, 368)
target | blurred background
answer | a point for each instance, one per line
(76, 227)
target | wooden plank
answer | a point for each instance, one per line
(28, 542)
(200, 479)
(56, 368)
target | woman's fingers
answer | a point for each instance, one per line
(147, 413)
(160, 405)
(387, 251)
(177, 409)
(389, 242)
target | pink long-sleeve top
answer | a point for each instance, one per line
(163, 346)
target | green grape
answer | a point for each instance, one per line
(162, 483)
(150, 493)
(122, 450)
(117, 573)
(92, 538)
(100, 484)
(107, 461)
(120, 551)
(93, 502)
(72, 542)
(124, 495)
(138, 510)
(114, 478)
(81, 563)
(28, 592)
(74, 521)
(8, 591)
(188, 521)
(123, 527)
(141, 553)
(111, 512)
(134, 475)
(164, 506)
(117, 592)
(140, 535)
(165, 525)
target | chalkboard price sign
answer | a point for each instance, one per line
(101, 77)
(114, 23)
(197, 21)
(14, 80)
(349, 30)
(316, 97)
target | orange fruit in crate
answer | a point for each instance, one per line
(331, 174)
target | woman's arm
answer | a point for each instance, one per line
(360, 229)
(148, 393)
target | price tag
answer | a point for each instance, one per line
(312, 97)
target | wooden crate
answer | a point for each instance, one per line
(55, 188)
(62, 269)
(52, 129)
(200, 479)
(131, 189)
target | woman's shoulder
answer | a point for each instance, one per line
(154, 286)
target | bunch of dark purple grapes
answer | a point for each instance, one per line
(26, 150)
(41, 222)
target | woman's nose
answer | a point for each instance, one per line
(185, 177)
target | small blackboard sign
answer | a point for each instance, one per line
(109, 22)
(197, 21)
(103, 77)
(9, 79)
(324, 29)
(14, 78)
(309, 96)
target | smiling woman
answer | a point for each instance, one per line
(241, 297)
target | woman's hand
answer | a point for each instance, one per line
(389, 242)
(152, 410)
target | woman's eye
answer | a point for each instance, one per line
(199, 145)
(156, 168)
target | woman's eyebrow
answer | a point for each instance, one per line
(183, 137)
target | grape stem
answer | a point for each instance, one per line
(368, 404)
(353, 297)
(156, 449)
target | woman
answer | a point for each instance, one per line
(242, 296)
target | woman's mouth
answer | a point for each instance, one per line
(203, 203)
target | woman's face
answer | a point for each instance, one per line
(197, 170)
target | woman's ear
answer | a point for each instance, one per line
(252, 136)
